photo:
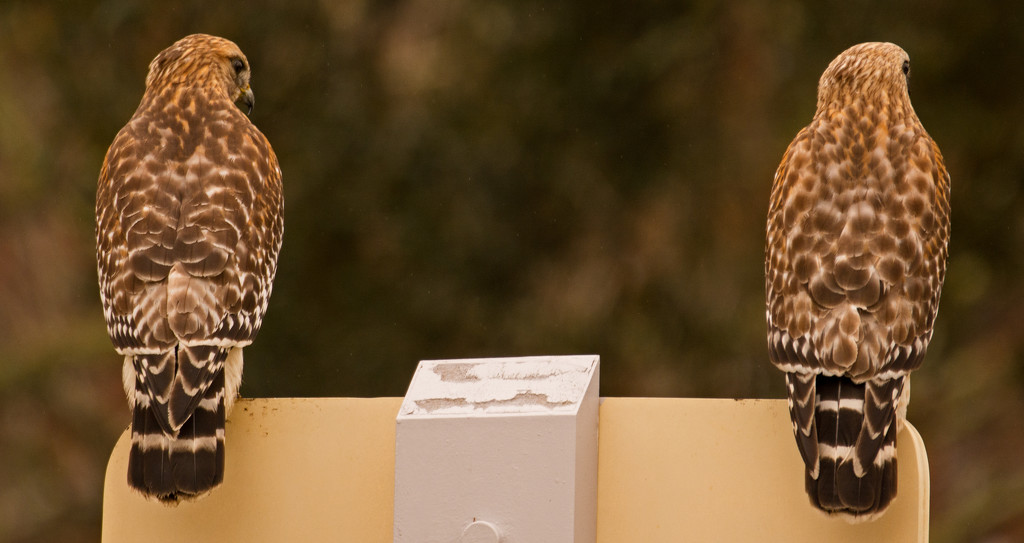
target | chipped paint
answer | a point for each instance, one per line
(498, 386)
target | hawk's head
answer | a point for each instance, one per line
(875, 72)
(201, 60)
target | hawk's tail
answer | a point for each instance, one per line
(171, 468)
(854, 471)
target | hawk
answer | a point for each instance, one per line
(188, 229)
(858, 227)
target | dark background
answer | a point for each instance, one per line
(478, 178)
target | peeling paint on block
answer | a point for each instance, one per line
(520, 385)
(499, 449)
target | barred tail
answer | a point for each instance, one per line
(853, 472)
(171, 468)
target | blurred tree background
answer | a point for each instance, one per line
(483, 178)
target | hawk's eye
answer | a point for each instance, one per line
(906, 67)
(238, 65)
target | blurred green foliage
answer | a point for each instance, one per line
(482, 178)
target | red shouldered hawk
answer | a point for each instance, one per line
(189, 224)
(856, 254)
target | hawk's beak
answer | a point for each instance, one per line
(248, 98)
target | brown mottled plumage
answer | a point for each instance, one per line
(856, 254)
(189, 224)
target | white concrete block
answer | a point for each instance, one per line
(498, 450)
